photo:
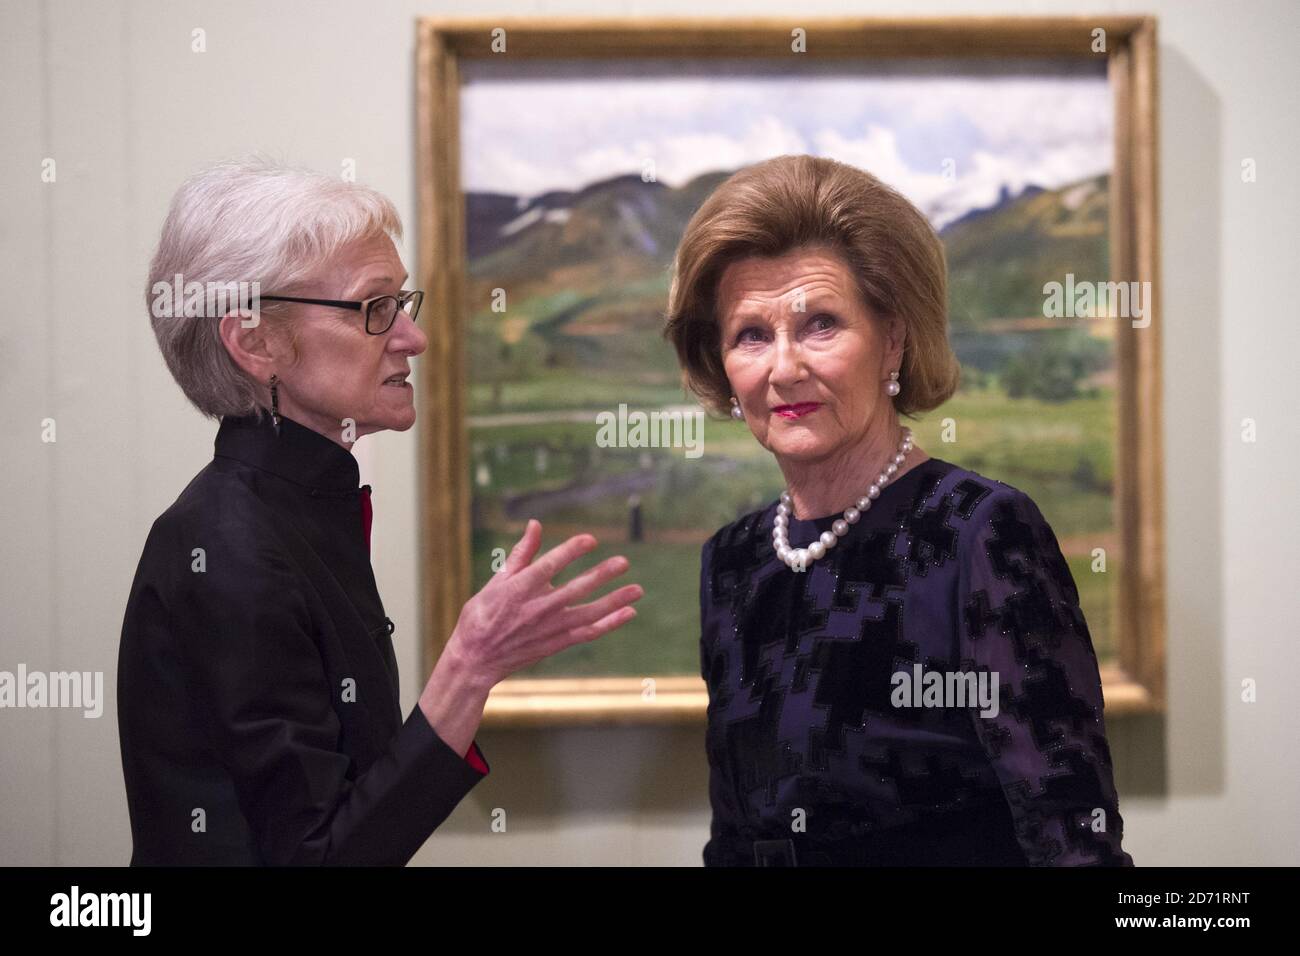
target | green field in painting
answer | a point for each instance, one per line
(1058, 453)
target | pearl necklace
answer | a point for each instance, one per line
(798, 558)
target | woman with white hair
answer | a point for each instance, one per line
(258, 712)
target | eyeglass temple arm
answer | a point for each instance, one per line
(355, 306)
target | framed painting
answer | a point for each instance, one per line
(559, 162)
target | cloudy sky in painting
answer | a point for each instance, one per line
(532, 127)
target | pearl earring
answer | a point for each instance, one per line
(736, 413)
(892, 387)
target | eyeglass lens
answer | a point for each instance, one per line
(383, 311)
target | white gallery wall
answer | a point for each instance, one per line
(112, 92)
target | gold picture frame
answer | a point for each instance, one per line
(1134, 683)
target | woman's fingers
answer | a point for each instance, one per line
(549, 565)
(600, 608)
(549, 607)
(586, 582)
(523, 552)
(589, 632)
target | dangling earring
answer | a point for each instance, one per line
(736, 413)
(892, 387)
(275, 403)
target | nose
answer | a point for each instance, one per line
(406, 336)
(787, 363)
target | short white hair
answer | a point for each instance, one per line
(255, 220)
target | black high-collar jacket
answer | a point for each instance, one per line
(258, 706)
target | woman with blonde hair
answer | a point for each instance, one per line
(898, 669)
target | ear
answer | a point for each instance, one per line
(249, 345)
(895, 340)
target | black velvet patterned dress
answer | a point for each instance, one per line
(816, 755)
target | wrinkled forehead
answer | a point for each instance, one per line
(754, 286)
(364, 267)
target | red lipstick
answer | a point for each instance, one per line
(797, 410)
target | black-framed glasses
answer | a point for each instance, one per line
(380, 311)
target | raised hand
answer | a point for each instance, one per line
(519, 617)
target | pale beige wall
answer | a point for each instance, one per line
(113, 93)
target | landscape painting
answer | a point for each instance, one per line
(578, 179)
